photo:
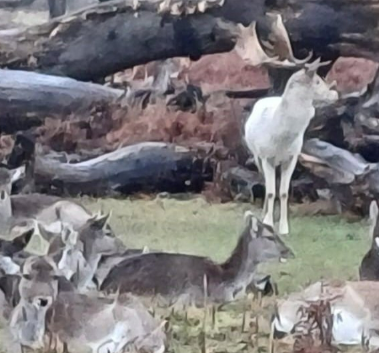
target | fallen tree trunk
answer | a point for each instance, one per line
(150, 167)
(71, 45)
(15, 3)
(26, 98)
(126, 36)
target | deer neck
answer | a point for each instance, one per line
(296, 108)
(239, 267)
(88, 272)
(37, 330)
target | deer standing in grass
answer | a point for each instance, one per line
(274, 131)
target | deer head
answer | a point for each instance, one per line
(38, 288)
(95, 239)
(264, 244)
(39, 282)
(307, 84)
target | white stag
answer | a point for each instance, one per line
(274, 131)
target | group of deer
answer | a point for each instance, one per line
(83, 291)
(274, 134)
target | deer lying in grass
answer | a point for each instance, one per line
(45, 316)
(369, 269)
(49, 210)
(179, 277)
(354, 307)
(274, 131)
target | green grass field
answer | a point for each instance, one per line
(325, 247)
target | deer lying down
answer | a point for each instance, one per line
(181, 277)
(354, 307)
(44, 315)
(369, 269)
(44, 208)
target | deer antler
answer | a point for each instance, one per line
(316, 65)
(282, 44)
(250, 49)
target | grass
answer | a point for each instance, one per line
(325, 247)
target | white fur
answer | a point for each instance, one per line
(9, 266)
(274, 133)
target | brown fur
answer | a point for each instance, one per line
(174, 275)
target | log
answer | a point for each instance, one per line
(144, 167)
(26, 98)
(15, 3)
(352, 180)
(70, 46)
(126, 36)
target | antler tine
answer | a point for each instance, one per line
(282, 45)
(317, 64)
(250, 49)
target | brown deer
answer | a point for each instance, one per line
(179, 277)
(49, 210)
(45, 316)
(354, 309)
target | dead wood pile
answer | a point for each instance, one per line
(192, 111)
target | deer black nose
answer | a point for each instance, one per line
(43, 302)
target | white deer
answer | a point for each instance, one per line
(274, 131)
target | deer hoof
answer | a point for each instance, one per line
(283, 230)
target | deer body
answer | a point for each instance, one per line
(180, 277)
(275, 130)
(76, 320)
(49, 210)
(354, 309)
(274, 134)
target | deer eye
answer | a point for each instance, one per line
(27, 277)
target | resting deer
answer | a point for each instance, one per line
(369, 269)
(49, 210)
(274, 131)
(45, 316)
(354, 309)
(179, 277)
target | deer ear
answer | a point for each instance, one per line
(23, 240)
(254, 229)
(101, 220)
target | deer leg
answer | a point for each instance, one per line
(287, 170)
(269, 175)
